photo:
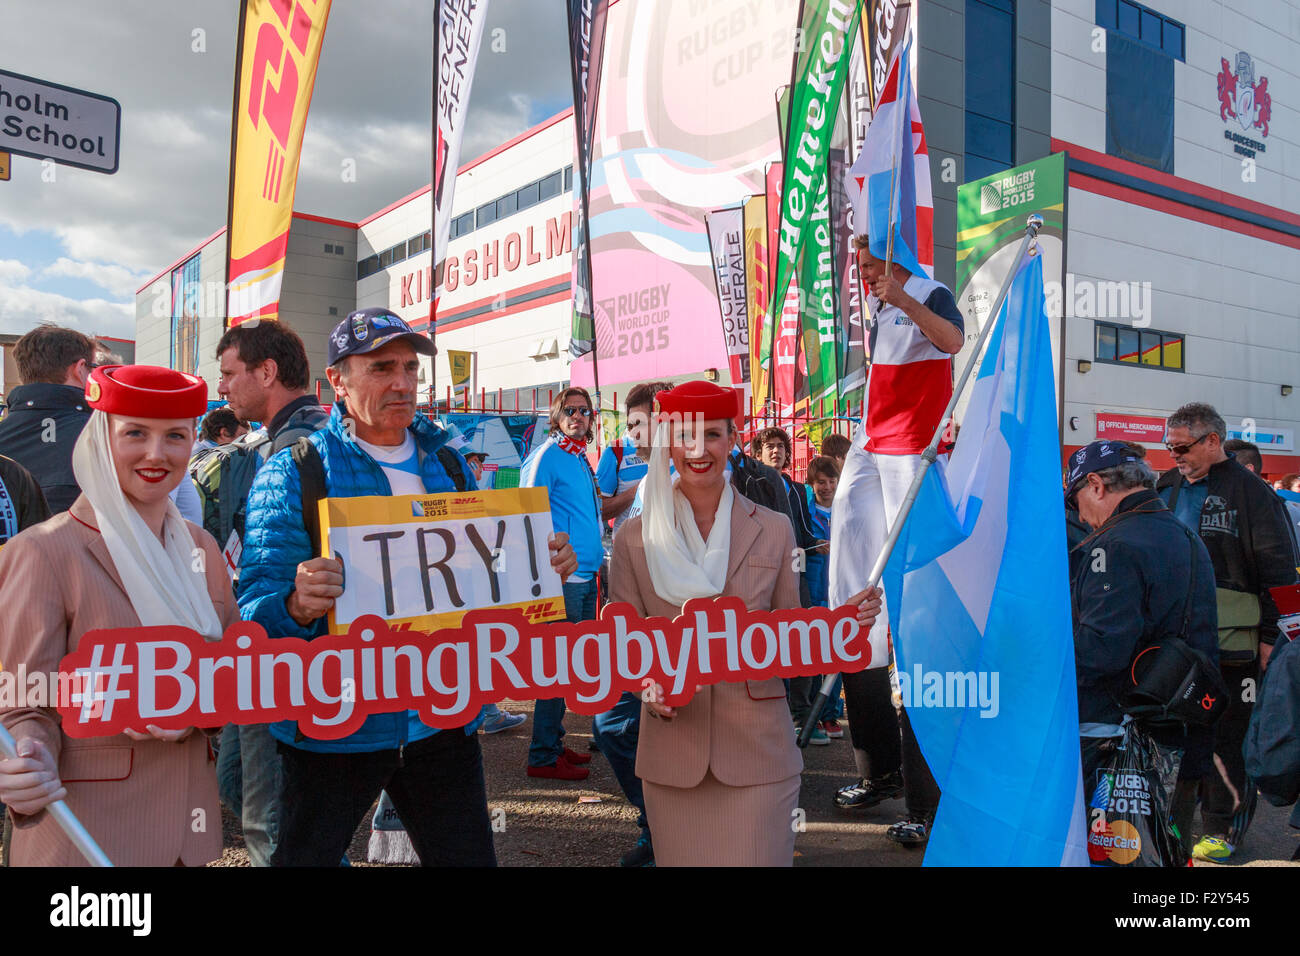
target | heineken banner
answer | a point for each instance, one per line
(817, 314)
(726, 228)
(755, 209)
(586, 51)
(991, 214)
(455, 53)
(275, 70)
(820, 65)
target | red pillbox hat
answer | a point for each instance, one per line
(699, 398)
(146, 391)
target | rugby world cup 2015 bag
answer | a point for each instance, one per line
(1128, 811)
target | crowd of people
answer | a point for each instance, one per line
(101, 465)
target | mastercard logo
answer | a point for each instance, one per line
(1117, 841)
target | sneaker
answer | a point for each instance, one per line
(1215, 849)
(909, 833)
(833, 729)
(501, 721)
(867, 793)
(818, 737)
(643, 854)
(576, 758)
(560, 770)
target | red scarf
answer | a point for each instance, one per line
(574, 446)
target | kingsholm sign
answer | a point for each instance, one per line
(48, 121)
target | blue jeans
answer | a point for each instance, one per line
(616, 732)
(248, 782)
(548, 715)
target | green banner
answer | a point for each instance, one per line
(817, 316)
(820, 66)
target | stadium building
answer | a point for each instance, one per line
(1180, 121)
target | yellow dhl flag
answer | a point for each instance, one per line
(279, 47)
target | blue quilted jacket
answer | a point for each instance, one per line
(276, 541)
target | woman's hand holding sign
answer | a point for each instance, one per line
(315, 586)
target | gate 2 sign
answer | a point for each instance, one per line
(48, 121)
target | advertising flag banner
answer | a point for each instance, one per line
(991, 214)
(462, 372)
(424, 560)
(817, 319)
(279, 47)
(826, 29)
(890, 181)
(726, 229)
(979, 607)
(685, 126)
(586, 51)
(457, 35)
(756, 295)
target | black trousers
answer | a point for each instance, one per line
(1228, 796)
(436, 785)
(873, 722)
(920, 792)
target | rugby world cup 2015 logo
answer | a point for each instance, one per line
(1242, 97)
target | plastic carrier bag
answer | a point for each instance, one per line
(1128, 811)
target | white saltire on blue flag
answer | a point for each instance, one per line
(979, 603)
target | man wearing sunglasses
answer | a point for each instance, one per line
(560, 465)
(1245, 529)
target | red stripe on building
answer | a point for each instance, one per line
(1146, 200)
(561, 296)
(508, 293)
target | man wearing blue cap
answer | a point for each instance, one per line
(374, 444)
(1136, 575)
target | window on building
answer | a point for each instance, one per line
(530, 195)
(551, 185)
(367, 266)
(568, 177)
(1141, 23)
(1128, 346)
(990, 87)
(485, 214)
(462, 224)
(507, 205)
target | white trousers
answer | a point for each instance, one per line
(867, 500)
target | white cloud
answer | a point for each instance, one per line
(23, 308)
(12, 269)
(116, 280)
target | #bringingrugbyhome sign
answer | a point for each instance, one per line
(172, 678)
(422, 561)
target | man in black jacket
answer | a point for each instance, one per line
(21, 502)
(1245, 529)
(1136, 577)
(48, 411)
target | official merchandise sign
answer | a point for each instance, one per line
(1115, 426)
(172, 678)
(50, 121)
(423, 561)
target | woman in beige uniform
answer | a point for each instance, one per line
(121, 556)
(721, 772)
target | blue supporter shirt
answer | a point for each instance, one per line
(575, 509)
(615, 477)
(1191, 499)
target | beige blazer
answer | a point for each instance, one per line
(742, 731)
(147, 803)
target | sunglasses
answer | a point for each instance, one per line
(1181, 450)
(575, 412)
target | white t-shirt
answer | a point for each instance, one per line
(401, 463)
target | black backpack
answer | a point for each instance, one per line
(311, 472)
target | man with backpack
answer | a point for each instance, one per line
(373, 444)
(264, 378)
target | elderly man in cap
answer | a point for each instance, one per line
(1141, 578)
(374, 444)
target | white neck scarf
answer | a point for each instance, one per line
(682, 565)
(165, 583)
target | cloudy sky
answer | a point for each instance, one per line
(74, 251)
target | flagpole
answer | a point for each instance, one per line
(62, 814)
(931, 453)
(230, 176)
(433, 219)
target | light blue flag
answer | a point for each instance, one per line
(979, 604)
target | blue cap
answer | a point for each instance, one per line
(1097, 456)
(368, 329)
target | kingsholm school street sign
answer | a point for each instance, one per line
(48, 121)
